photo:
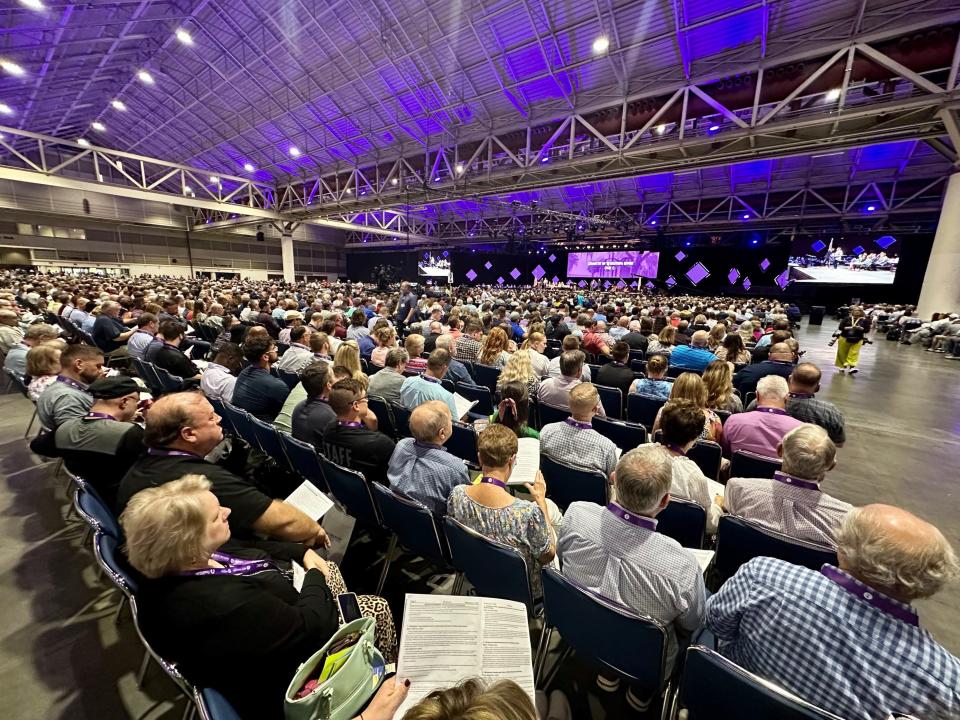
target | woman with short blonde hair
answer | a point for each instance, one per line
(473, 699)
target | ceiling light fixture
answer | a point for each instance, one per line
(832, 95)
(294, 151)
(661, 129)
(394, 181)
(184, 37)
(5, 109)
(187, 190)
(98, 126)
(12, 68)
(871, 208)
(459, 168)
(83, 142)
(145, 77)
(248, 167)
(746, 216)
(32, 4)
(601, 45)
(118, 105)
(214, 179)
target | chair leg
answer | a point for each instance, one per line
(142, 673)
(190, 710)
(33, 419)
(458, 584)
(386, 564)
(542, 649)
(669, 711)
(556, 668)
(120, 606)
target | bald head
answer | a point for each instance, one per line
(805, 378)
(699, 338)
(781, 351)
(183, 420)
(895, 552)
(431, 422)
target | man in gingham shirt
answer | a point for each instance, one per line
(792, 503)
(847, 639)
(574, 442)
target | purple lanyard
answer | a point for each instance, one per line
(578, 425)
(878, 600)
(429, 446)
(144, 332)
(430, 379)
(801, 396)
(675, 448)
(347, 423)
(772, 411)
(70, 382)
(163, 452)
(494, 481)
(234, 566)
(99, 416)
(321, 356)
(794, 480)
(638, 520)
(300, 345)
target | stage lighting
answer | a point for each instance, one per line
(601, 45)
(248, 167)
(98, 126)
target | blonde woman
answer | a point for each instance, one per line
(494, 351)
(690, 387)
(745, 331)
(536, 343)
(519, 369)
(348, 358)
(43, 366)
(718, 377)
(474, 699)
(715, 339)
(663, 343)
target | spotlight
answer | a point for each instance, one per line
(653, 222)
(832, 95)
(248, 167)
(214, 179)
(5, 109)
(459, 168)
(12, 68)
(32, 4)
(294, 151)
(871, 208)
(713, 128)
(145, 77)
(184, 37)
(601, 45)
(118, 105)
(661, 129)
(98, 126)
(746, 216)
(83, 142)
(393, 181)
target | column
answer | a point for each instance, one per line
(286, 253)
(941, 282)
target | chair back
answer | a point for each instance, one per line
(714, 688)
(612, 400)
(749, 398)
(219, 409)
(552, 414)
(106, 549)
(708, 456)
(724, 415)
(493, 568)
(412, 523)
(643, 409)
(638, 366)
(401, 420)
(18, 382)
(594, 369)
(211, 705)
(91, 507)
(625, 435)
(675, 371)
(448, 385)
(268, 438)
(463, 443)
(487, 376)
(739, 541)
(170, 383)
(352, 491)
(242, 423)
(611, 634)
(290, 378)
(381, 409)
(304, 461)
(684, 521)
(746, 464)
(481, 394)
(148, 373)
(566, 484)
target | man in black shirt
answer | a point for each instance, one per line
(349, 442)
(311, 417)
(407, 309)
(181, 429)
(617, 373)
(170, 357)
(780, 363)
(637, 337)
(257, 391)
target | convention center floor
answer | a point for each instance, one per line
(62, 655)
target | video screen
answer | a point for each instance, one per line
(622, 264)
(859, 261)
(434, 266)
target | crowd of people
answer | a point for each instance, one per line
(214, 542)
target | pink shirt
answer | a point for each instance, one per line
(758, 431)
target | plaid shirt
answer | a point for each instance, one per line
(801, 629)
(467, 349)
(584, 449)
(819, 412)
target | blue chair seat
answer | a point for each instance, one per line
(480, 393)
(381, 409)
(487, 376)
(551, 414)
(463, 443)
(566, 484)
(612, 400)
(352, 490)
(643, 409)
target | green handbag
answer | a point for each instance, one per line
(343, 695)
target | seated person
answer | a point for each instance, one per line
(792, 503)
(761, 430)
(353, 441)
(386, 383)
(313, 415)
(414, 347)
(779, 363)
(513, 411)
(16, 360)
(420, 467)
(802, 403)
(654, 383)
(847, 639)
(555, 391)
(694, 356)
(491, 510)
(569, 344)
(170, 357)
(109, 332)
(69, 396)
(616, 551)
(457, 372)
(474, 698)
(298, 355)
(147, 328)
(43, 366)
(220, 376)
(426, 386)
(691, 388)
(617, 372)
(256, 390)
(181, 430)
(574, 442)
(244, 630)
(681, 424)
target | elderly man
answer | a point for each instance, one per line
(38, 334)
(569, 344)
(430, 339)
(761, 430)
(420, 388)
(421, 467)
(574, 442)
(637, 338)
(148, 325)
(109, 332)
(556, 391)
(617, 552)
(469, 343)
(456, 372)
(10, 332)
(792, 504)
(802, 403)
(181, 429)
(847, 639)
(299, 354)
(69, 396)
(780, 363)
(694, 356)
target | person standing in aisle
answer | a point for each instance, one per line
(852, 335)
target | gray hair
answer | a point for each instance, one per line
(643, 477)
(699, 338)
(772, 386)
(445, 341)
(874, 545)
(428, 419)
(808, 452)
(634, 326)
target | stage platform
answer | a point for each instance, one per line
(840, 275)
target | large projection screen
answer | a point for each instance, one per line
(620, 264)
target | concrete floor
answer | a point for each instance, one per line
(61, 655)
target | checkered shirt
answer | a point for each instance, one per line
(585, 450)
(819, 412)
(800, 513)
(644, 570)
(803, 631)
(467, 349)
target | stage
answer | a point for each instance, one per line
(842, 275)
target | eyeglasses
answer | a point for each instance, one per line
(362, 399)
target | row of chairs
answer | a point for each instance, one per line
(158, 379)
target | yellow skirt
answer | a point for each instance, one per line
(847, 353)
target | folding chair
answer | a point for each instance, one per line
(714, 688)
(746, 464)
(211, 705)
(170, 383)
(304, 460)
(566, 484)
(675, 371)
(290, 378)
(643, 409)
(739, 541)
(552, 414)
(463, 443)
(352, 491)
(241, 421)
(414, 529)
(268, 439)
(94, 511)
(707, 455)
(401, 420)
(381, 409)
(625, 435)
(612, 400)
(480, 393)
(493, 568)
(594, 369)
(486, 375)
(684, 521)
(20, 385)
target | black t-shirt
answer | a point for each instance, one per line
(617, 376)
(407, 303)
(359, 448)
(175, 362)
(636, 341)
(245, 501)
(853, 332)
(100, 451)
(310, 419)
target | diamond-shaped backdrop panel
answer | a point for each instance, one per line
(471, 275)
(733, 276)
(539, 272)
(764, 264)
(555, 280)
(514, 273)
(552, 258)
(783, 279)
(858, 249)
(697, 273)
(670, 281)
(885, 241)
(746, 283)
(500, 280)
(488, 264)
(649, 285)
(818, 246)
